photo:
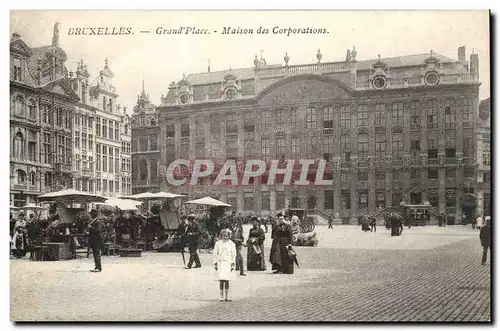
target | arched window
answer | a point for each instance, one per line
(143, 170)
(19, 146)
(294, 202)
(32, 178)
(21, 177)
(311, 202)
(31, 109)
(20, 105)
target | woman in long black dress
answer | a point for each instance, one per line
(255, 252)
(282, 240)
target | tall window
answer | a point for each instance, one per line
(380, 175)
(265, 147)
(19, 146)
(397, 175)
(280, 118)
(17, 69)
(111, 164)
(345, 116)
(214, 127)
(31, 109)
(154, 169)
(170, 129)
(450, 116)
(47, 147)
(345, 147)
(32, 146)
(362, 115)
(380, 142)
(104, 128)
(345, 196)
(328, 198)
(363, 199)
(153, 142)
(397, 113)
(397, 144)
(328, 147)
(110, 130)
(362, 175)
(232, 147)
(468, 112)
(117, 131)
(295, 147)
(98, 157)
(415, 112)
(143, 170)
(184, 127)
(432, 148)
(468, 147)
(77, 139)
(327, 117)
(311, 147)
(450, 144)
(98, 126)
(294, 118)
(231, 123)
(380, 114)
(432, 114)
(280, 147)
(266, 118)
(20, 106)
(143, 143)
(84, 94)
(104, 158)
(311, 122)
(362, 147)
(486, 153)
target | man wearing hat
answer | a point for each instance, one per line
(96, 229)
(484, 236)
(193, 236)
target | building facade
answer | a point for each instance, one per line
(66, 130)
(484, 158)
(42, 107)
(390, 130)
(145, 146)
(101, 131)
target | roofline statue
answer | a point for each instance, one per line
(55, 37)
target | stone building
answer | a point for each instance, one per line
(391, 130)
(99, 134)
(145, 145)
(42, 106)
(483, 158)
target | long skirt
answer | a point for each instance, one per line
(255, 258)
(224, 271)
(279, 258)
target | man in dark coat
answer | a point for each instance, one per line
(330, 222)
(192, 236)
(238, 239)
(282, 241)
(373, 224)
(96, 229)
(484, 236)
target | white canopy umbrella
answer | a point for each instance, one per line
(208, 201)
(71, 195)
(154, 196)
(123, 204)
(31, 207)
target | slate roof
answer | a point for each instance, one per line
(249, 73)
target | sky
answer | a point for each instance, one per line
(160, 59)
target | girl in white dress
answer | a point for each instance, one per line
(224, 262)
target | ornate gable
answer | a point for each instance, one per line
(62, 87)
(18, 46)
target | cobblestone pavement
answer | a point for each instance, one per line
(374, 280)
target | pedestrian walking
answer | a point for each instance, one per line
(373, 224)
(330, 222)
(96, 232)
(282, 242)
(238, 239)
(484, 236)
(479, 222)
(193, 236)
(224, 262)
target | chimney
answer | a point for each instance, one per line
(474, 65)
(461, 54)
